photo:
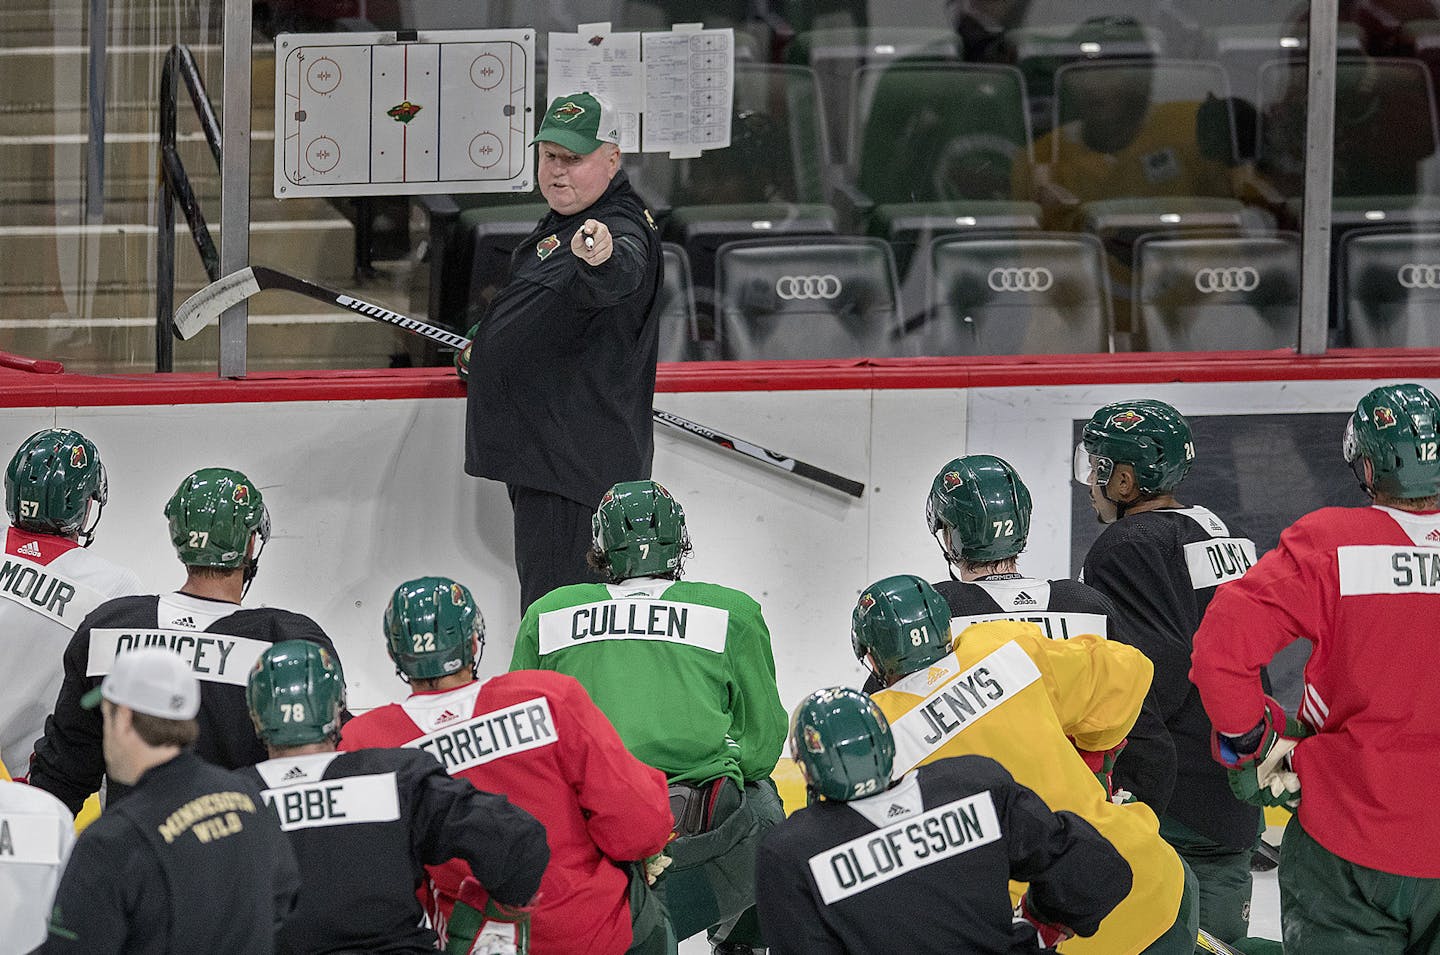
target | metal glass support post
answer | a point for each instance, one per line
(1319, 178)
(99, 32)
(235, 178)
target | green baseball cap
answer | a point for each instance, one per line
(580, 122)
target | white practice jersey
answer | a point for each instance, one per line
(36, 835)
(47, 586)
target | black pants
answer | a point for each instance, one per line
(552, 537)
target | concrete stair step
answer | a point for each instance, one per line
(67, 21)
(39, 167)
(274, 344)
(117, 255)
(125, 117)
(48, 76)
(71, 212)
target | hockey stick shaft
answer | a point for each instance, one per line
(772, 458)
(206, 305)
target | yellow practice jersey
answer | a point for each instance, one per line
(1009, 693)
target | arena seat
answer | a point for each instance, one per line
(679, 330)
(1216, 293)
(938, 132)
(1390, 289)
(838, 53)
(770, 180)
(1015, 294)
(831, 298)
(1385, 125)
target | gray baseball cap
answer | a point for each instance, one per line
(151, 680)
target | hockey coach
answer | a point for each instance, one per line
(562, 375)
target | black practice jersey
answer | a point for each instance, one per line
(1063, 608)
(924, 867)
(1160, 569)
(190, 861)
(219, 640)
(365, 824)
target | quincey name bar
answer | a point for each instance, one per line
(212, 657)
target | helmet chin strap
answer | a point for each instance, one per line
(86, 535)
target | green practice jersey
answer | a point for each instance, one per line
(684, 671)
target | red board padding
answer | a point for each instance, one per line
(23, 390)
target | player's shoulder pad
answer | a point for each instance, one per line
(1079, 597)
(717, 595)
(975, 772)
(135, 610)
(548, 682)
(277, 625)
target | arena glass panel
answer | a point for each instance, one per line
(1173, 156)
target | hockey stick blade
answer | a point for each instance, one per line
(1209, 943)
(784, 463)
(204, 307)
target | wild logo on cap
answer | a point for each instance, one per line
(1384, 418)
(77, 456)
(567, 113)
(952, 480)
(241, 494)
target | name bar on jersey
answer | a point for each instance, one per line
(1388, 569)
(29, 838)
(347, 801)
(35, 587)
(1218, 560)
(1057, 625)
(934, 836)
(694, 625)
(490, 736)
(212, 657)
(958, 702)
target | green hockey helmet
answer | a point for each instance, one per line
(50, 482)
(1394, 428)
(902, 623)
(1149, 435)
(296, 693)
(212, 515)
(842, 743)
(979, 509)
(639, 531)
(433, 629)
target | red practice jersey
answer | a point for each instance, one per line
(1363, 586)
(539, 739)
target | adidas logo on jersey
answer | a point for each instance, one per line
(292, 774)
(449, 716)
(896, 810)
(1432, 536)
(935, 674)
(185, 623)
(32, 549)
(1022, 599)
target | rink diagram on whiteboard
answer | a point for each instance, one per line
(363, 114)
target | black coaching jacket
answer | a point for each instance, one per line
(562, 372)
(192, 860)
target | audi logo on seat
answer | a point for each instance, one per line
(1020, 280)
(1242, 278)
(791, 287)
(1415, 275)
